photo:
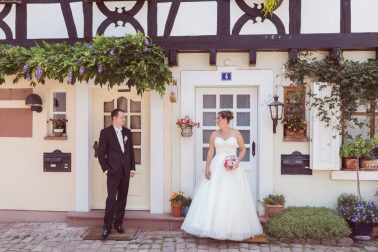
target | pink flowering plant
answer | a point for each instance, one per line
(187, 122)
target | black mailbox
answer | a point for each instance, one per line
(56, 161)
(295, 163)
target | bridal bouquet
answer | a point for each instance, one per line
(230, 163)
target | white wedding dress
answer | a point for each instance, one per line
(223, 207)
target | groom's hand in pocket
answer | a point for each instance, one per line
(207, 173)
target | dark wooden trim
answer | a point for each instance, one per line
(3, 25)
(21, 21)
(213, 57)
(152, 18)
(374, 114)
(252, 56)
(172, 59)
(345, 16)
(293, 55)
(171, 18)
(88, 20)
(295, 10)
(335, 54)
(243, 43)
(223, 23)
(376, 53)
(271, 42)
(68, 19)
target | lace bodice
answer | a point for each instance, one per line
(225, 147)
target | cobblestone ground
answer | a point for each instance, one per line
(61, 237)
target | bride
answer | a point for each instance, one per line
(222, 206)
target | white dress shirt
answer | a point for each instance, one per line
(119, 136)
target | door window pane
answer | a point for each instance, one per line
(209, 118)
(243, 101)
(209, 101)
(243, 118)
(226, 101)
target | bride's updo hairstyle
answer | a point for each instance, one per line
(226, 114)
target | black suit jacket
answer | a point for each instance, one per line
(110, 153)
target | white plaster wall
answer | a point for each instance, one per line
(199, 18)
(364, 16)
(320, 16)
(10, 20)
(315, 190)
(23, 183)
(45, 21)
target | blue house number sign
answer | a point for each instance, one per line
(226, 76)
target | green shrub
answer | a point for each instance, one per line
(317, 223)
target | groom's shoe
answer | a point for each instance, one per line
(105, 233)
(119, 229)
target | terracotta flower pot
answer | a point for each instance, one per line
(273, 210)
(369, 164)
(299, 134)
(350, 164)
(176, 209)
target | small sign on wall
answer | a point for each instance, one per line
(226, 76)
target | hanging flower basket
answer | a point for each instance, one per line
(186, 124)
(186, 132)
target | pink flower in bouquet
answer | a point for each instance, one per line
(230, 163)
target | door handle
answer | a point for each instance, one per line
(253, 148)
(95, 147)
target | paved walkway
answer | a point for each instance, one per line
(61, 237)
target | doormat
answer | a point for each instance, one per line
(95, 234)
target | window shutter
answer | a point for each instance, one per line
(325, 141)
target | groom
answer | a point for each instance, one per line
(116, 157)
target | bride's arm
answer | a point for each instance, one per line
(210, 155)
(242, 148)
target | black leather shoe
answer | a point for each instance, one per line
(105, 233)
(119, 229)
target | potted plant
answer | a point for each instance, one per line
(59, 126)
(185, 205)
(369, 159)
(295, 125)
(176, 203)
(351, 151)
(361, 215)
(273, 204)
(186, 124)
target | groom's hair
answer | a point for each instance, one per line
(115, 112)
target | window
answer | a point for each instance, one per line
(59, 106)
(368, 115)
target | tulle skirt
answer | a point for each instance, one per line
(223, 207)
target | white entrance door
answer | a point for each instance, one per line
(137, 120)
(243, 103)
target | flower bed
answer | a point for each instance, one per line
(314, 225)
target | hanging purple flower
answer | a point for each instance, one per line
(69, 77)
(25, 68)
(90, 46)
(27, 77)
(100, 69)
(111, 52)
(145, 49)
(81, 70)
(146, 42)
(38, 73)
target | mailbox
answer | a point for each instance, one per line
(56, 161)
(295, 163)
